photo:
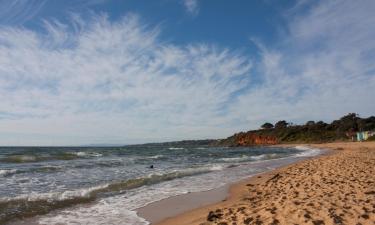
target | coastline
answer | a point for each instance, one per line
(229, 167)
(160, 211)
(230, 205)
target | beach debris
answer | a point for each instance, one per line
(318, 222)
(212, 216)
(275, 222)
(258, 222)
(274, 178)
(248, 220)
(222, 223)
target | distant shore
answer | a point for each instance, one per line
(336, 188)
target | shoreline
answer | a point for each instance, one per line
(161, 211)
(232, 207)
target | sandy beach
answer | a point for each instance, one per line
(337, 188)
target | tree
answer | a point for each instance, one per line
(281, 124)
(321, 124)
(267, 126)
(310, 123)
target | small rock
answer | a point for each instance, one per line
(318, 222)
(248, 220)
(212, 216)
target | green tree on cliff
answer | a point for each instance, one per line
(267, 126)
(281, 124)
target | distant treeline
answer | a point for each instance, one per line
(311, 132)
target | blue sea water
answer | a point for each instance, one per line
(105, 185)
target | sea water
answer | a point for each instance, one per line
(105, 185)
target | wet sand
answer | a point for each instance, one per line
(173, 206)
(338, 188)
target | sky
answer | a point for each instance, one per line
(82, 72)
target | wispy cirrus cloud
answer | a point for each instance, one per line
(117, 78)
(101, 81)
(191, 6)
(324, 67)
(19, 11)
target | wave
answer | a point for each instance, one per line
(155, 157)
(265, 156)
(35, 158)
(88, 154)
(43, 203)
(302, 147)
(21, 159)
(175, 148)
(307, 151)
(236, 159)
(245, 158)
(30, 158)
(217, 167)
(7, 172)
(44, 169)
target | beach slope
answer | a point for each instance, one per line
(337, 188)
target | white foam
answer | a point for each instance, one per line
(91, 154)
(307, 151)
(175, 148)
(217, 167)
(202, 169)
(104, 212)
(236, 159)
(155, 156)
(264, 156)
(302, 147)
(7, 172)
(120, 209)
(258, 157)
(59, 196)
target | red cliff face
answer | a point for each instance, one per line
(246, 139)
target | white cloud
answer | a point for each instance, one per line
(116, 82)
(324, 68)
(191, 6)
(112, 82)
(19, 11)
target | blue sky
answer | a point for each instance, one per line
(121, 72)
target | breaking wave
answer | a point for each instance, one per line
(307, 151)
(245, 158)
(38, 204)
(7, 172)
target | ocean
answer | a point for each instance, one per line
(105, 185)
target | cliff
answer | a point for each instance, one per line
(311, 132)
(249, 138)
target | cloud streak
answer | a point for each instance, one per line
(17, 12)
(99, 81)
(191, 6)
(113, 76)
(323, 68)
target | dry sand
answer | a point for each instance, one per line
(338, 188)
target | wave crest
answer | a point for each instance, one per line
(30, 158)
(38, 204)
